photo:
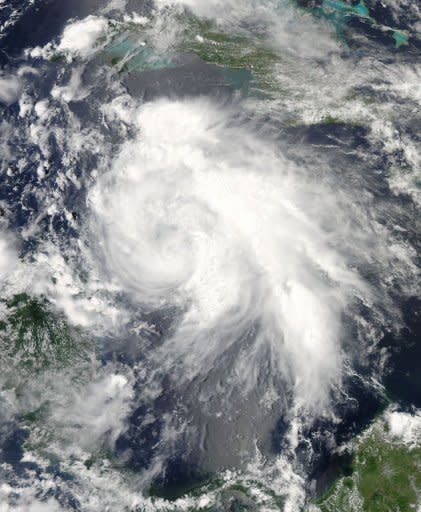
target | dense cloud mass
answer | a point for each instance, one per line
(201, 213)
(209, 250)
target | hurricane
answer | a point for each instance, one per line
(210, 256)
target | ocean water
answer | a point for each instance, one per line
(209, 234)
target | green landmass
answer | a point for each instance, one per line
(233, 51)
(34, 337)
(218, 494)
(386, 477)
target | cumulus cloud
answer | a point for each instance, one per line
(80, 37)
(8, 256)
(96, 415)
(405, 427)
(10, 89)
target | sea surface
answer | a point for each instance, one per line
(209, 250)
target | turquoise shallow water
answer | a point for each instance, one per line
(340, 13)
(128, 52)
(208, 257)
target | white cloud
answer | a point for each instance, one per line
(295, 32)
(405, 427)
(80, 37)
(210, 217)
(8, 256)
(10, 89)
